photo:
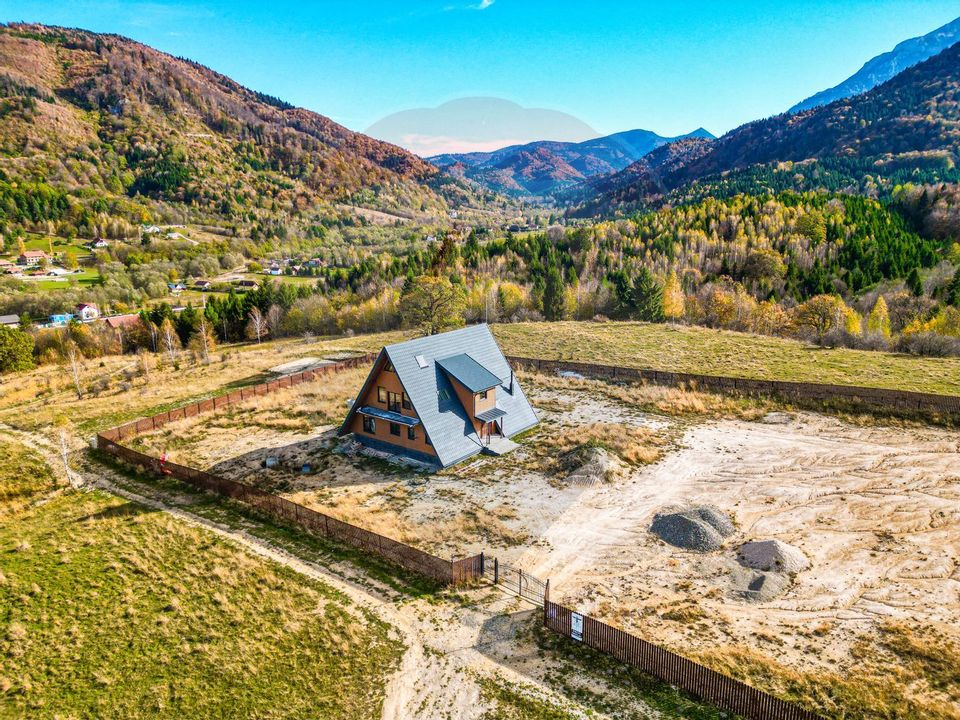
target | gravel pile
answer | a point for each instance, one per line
(772, 555)
(700, 528)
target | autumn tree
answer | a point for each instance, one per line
(673, 299)
(16, 350)
(433, 304)
(878, 323)
(820, 314)
(203, 343)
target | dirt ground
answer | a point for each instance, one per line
(875, 508)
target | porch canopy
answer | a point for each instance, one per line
(389, 416)
(490, 415)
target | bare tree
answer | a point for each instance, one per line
(257, 325)
(144, 365)
(76, 366)
(274, 320)
(202, 342)
(171, 342)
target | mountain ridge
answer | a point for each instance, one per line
(912, 120)
(545, 167)
(98, 111)
(882, 67)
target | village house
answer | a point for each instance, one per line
(98, 243)
(247, 285)
(441, 399)
(87, 312)
(9, 321)
(203, 285)
(8, 268)
(59, 319)
(31, 258)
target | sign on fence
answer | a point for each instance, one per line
(576, 627)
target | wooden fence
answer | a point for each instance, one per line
(879, 398)
(317, 523)
(716, 688)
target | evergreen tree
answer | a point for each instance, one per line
(647, 296)
(914, 283)
(553, 295)
(953, 290)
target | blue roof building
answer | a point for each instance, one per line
(441, 399)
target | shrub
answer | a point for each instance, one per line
(928, 344)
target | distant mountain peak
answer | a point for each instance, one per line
(547, 167)
(883, 67)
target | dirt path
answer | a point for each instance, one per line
(449, 647)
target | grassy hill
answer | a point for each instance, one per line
(108, 609)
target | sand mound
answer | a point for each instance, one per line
(772, 555)
(758, 586)
(598, 466)
(699, 528)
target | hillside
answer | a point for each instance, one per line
(883, 67)
(96, 127)
(910, 123)
(545, 167)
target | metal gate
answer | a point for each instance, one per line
(516, 580)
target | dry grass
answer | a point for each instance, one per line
(38, 397)
(720, 352)
(633, 445)
(656, 398)
(24, 478)
(903, 673)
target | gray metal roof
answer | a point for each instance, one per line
(444, 419)
(471, 374)
(9, 319)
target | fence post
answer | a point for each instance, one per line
(481, 563)
(546, 600)
(520, 582)
(496, 571)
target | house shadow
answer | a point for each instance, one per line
(319, 462)
(126, 510)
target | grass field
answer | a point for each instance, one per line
(718, 352)
(110, 610)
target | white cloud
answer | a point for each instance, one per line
(484, 4)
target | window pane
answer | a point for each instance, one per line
(395, 429)
(411, 433)
(382, 394)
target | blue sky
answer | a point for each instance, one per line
(668, 67)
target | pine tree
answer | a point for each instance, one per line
(553, 295)
(879, 320)
(953, 290)
(647, 296)
(914, 283)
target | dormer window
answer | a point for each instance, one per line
(483, 395)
